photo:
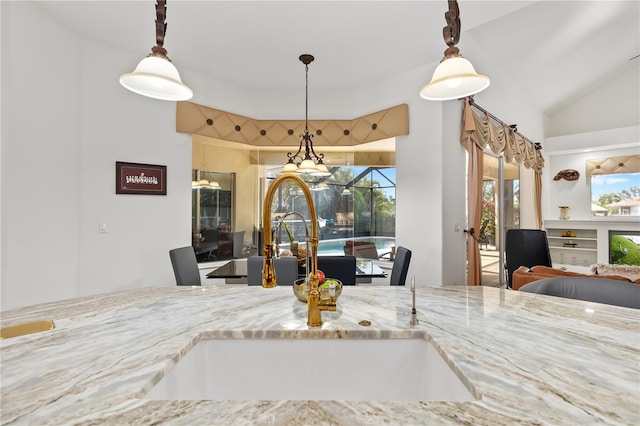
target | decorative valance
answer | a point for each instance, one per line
(613, 165)
(483, 129)
(200, 120)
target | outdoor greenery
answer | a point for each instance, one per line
(624, 251)
(368, 202)
(633, 193)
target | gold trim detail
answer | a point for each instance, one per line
(24, 329)
(193, 119)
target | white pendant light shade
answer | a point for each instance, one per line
(157, 78)
(307, 166)
(290, 168)
(454, 78)
(214, 185)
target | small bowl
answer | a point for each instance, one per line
(300, 289)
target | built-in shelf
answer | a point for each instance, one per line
(591, 241)
(580, 249)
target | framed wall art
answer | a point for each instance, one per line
(137, 178)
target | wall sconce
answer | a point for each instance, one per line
(155, 76)
(455, 77)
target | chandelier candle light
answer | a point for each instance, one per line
(311, 163)
(455, 77)
(155, 76)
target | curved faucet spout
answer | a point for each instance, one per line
(268, 271)
(314, 306)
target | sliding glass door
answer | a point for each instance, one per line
(500, 211)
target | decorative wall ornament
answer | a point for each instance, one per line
(136, 178)
(567, 174)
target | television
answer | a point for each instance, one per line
(624, 247)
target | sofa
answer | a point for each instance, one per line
(524, 275)
(610, 292)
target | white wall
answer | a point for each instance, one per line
(65, 124)
(40, 158)
(614, 105)
(577, 194)
(77, 122)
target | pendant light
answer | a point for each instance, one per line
(155, 76)
(455, 77)
(312, 162)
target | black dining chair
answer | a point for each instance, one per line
(341, 268)
(286, 270)
(525, 247)
(185, 266)
(400, 266)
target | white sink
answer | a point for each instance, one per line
(312, 369)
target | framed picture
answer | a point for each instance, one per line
(136, 178)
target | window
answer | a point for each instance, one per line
(615, 186)
(355, 201)
(212, 213)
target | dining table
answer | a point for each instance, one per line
(235, 271)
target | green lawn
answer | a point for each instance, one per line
(618, 256)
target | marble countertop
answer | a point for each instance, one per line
(530, 359)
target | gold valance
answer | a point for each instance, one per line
(204, 121)
(612, 165)
(482, 130)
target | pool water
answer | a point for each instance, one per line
(336, 247)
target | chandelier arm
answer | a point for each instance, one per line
(308, 145)
(318, 157)
(296, 155)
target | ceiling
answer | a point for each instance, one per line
(557, 51)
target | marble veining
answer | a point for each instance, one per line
(529, 359)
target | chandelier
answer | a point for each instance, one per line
(311, 163)
(455, 77)
(155, 76)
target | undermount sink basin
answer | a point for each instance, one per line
(312, 369)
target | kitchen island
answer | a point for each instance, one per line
(526, 358)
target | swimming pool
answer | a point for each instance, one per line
(336, 247)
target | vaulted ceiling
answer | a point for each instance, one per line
(558, 51)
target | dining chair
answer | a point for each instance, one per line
(286, 270)
(400, 266)
(185, 266)
(342, 268)
(525, 247)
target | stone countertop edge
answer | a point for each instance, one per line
(529, 359)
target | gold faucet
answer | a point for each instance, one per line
(314, 303)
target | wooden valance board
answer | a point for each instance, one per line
(613, 165)
(200, 120)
